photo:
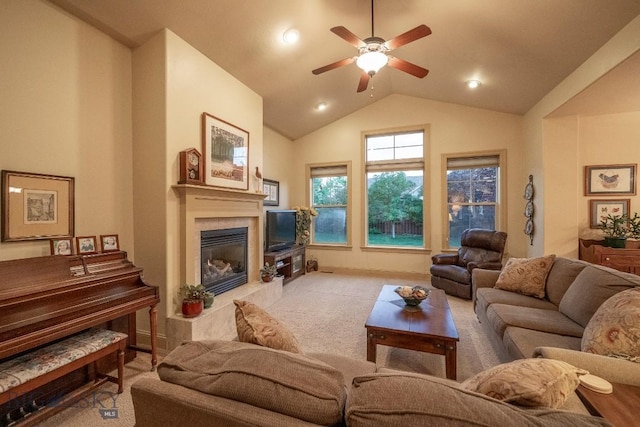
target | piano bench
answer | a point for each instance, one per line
(27, 372)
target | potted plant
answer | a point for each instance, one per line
(192, 299)
(615, 229)
(268, 272)
(207, 299)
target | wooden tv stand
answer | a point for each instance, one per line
(290, 262)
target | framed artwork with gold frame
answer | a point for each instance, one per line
(36, 206)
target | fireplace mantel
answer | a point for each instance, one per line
(202, 202)
(201, 208)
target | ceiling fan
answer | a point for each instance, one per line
(373, 53)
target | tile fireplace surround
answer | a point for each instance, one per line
(208, 208)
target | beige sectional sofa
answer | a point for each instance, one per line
(239, 384)
(517, 324)
(521, 326)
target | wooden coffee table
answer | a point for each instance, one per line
(428, 327)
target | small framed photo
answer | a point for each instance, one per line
(109, 243)
(61, 246)
(272, 190)
(86, 245)
(611, 180)
(599, 209)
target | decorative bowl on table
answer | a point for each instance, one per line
(412, 296)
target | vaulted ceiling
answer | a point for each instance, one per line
(519, 49)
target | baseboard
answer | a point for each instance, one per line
(143, 339)
(378, 273)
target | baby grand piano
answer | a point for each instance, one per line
(45, 299)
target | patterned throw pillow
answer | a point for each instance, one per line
(528, 382)
(256, 326)
(527, 276)
(614, 329)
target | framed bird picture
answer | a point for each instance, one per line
(613, 180)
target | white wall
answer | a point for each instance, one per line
(453, 129)
(65, 109)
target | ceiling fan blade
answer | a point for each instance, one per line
(348, 36)
(407, 67)
(411, 35)
(333, 66)
(364, 81)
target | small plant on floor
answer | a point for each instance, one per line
(268, 272)
(192, 299)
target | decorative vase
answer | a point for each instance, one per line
(208, 300)
(191, 307)
(615, 242)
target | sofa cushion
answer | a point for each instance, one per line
(521, 343)
(526, 276)
(561, 276)
(528, 382)
(614, 330)
(256, 326)
(593, 286)
(502, 315)
(288, 383)
(487, 296)
(410, 400)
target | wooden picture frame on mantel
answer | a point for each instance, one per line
(225, 148)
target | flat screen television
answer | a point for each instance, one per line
(281, 230)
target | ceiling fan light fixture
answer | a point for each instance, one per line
(473, 84)
(291, 36)
(372, 62)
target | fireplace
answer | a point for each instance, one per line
(223, 255)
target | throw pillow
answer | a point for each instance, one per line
(256, 326)
(614, 329)
(528, 382)
(527, 276)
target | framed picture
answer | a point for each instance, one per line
(86, 245)
(109, 243)
(36, 206)
(599, 209)
(610, 180)
(61, 246)
(272, 190)
(225, 149)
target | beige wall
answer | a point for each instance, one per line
(277, 160)
(173, 85)
(65, 109)
(453, 129)
(546, 149)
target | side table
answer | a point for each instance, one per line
(619, 407)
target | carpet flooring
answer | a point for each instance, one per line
(327, 313)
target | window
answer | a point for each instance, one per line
(394, 168)
(330, 197)
(472, 194)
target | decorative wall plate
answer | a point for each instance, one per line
(528, 209)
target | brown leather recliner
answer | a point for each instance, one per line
(478, 248)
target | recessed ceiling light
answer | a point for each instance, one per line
(472, 84)
(321, 106)
(291, 36)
